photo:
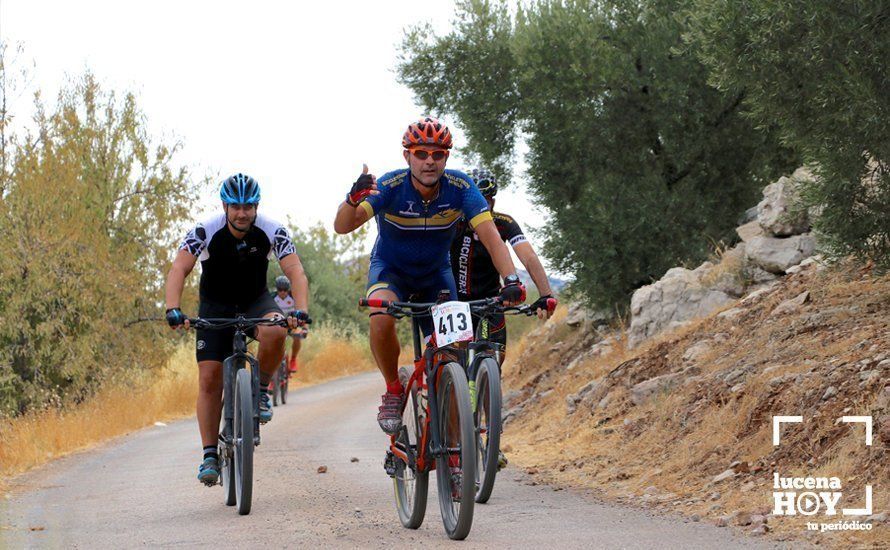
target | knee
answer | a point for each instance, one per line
(210, 380)
(382, 324)
(274, 335)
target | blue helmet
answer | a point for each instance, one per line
(240, 189)
(485, 181)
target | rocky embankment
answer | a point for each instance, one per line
(675, 411)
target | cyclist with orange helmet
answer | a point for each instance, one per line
(417, 211)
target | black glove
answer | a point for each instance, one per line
(360, 189)
(547, 303)
(175, 317)
(301, 316)
(512, 292)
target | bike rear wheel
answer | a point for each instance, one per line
(487, 419)
(456, 470)
(243, 441)
(409, 484)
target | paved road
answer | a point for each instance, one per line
(141, 490)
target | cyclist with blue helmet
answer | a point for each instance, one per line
(417, 210)
(234, 248)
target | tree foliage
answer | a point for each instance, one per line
(88, 216)
(820, 71)
(641, 163)
(336, 269)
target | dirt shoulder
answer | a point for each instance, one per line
(683, 424)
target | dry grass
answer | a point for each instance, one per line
(35, 439)
(681, 439)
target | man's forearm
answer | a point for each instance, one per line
(301, 284)
(347, 219)
(173, 291)
(538, 275)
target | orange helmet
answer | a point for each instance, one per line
(427, 131)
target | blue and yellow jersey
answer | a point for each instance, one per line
(415, 237)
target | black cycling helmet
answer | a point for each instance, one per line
(240, 189)
(485, 182)
(282, 283)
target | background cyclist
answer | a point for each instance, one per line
(287, 304)
(474, 271)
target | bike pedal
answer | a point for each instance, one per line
(389, 464)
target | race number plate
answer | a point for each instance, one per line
(452, 323)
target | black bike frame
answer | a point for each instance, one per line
(231, 364)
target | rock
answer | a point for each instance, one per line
(727, 474)
(757, 275)
(353, 459)
(750, 230)
(742, 518)
(884, 430)
(883, 400)
(714, 496)
(757, 519)
(531, 471)
(322, 469)
(510, 397)
(737, 388)
(829, 393)
(740, 467)
(678, 297)
(777, 255)
(571, 404)
(696, 351)
(644, 391)
(507, 448)
(779, 213)
(759, 530)
(695, 517)
(756, 295)
(791, 305)
(722, 521)
(605, 401)
(877, 518)
(578, 315)
(731, 314)
(650, 490)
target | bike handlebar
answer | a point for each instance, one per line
(239, 322)
(420, 309)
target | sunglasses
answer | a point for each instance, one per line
(423, 154)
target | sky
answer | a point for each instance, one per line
(297, 95)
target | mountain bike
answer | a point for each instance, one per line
(240, 423)
(281, 378)
(484, 375)
(437, 422)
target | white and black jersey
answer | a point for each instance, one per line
(233, 271)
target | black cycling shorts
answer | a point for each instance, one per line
(216, 345)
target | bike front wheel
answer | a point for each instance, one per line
(284, 377)
(410, 484)
(487, 420)
(456, 468)
(243, 441)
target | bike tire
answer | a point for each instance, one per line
(227, 464)
(453, 396)
(410, 486)
(243, 441)
(487, 421)
(276, 391)
(285, 382)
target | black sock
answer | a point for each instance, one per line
(211, 452)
